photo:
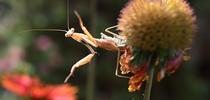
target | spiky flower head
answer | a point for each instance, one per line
(157, 34)
(152, 24)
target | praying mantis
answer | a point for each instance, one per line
(115, 43)
(111, 43)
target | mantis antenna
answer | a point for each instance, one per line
(55, 30)
(68, 20)
(52, 30)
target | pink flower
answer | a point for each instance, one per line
(171, 66)
(43, 43)
(174, 64)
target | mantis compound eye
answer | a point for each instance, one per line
(70, 32)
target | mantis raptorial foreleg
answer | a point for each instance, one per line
(84, 29)
(81, 62)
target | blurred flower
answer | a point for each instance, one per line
(16, 55)
(55, 58)
(158, 32)
(19, 84)
(62, 92)
(30, 87)
(38, 91)
(43, 43)
(12, 59)
(4, 64)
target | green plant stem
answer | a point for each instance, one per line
(148, 88)
(91, 81)
(90, 94)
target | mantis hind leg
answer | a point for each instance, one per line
(108, 30)
(118, 67)
(115, 35)
(117, 73)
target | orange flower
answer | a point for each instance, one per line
(38, 91)
(139, 71)
(125, 61)
(18, 84)
(137, 79)
(24, 85)
(62, 92)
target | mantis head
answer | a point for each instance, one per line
(70, 32)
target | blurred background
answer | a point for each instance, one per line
(49, 55)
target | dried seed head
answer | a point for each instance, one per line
(152, 24)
